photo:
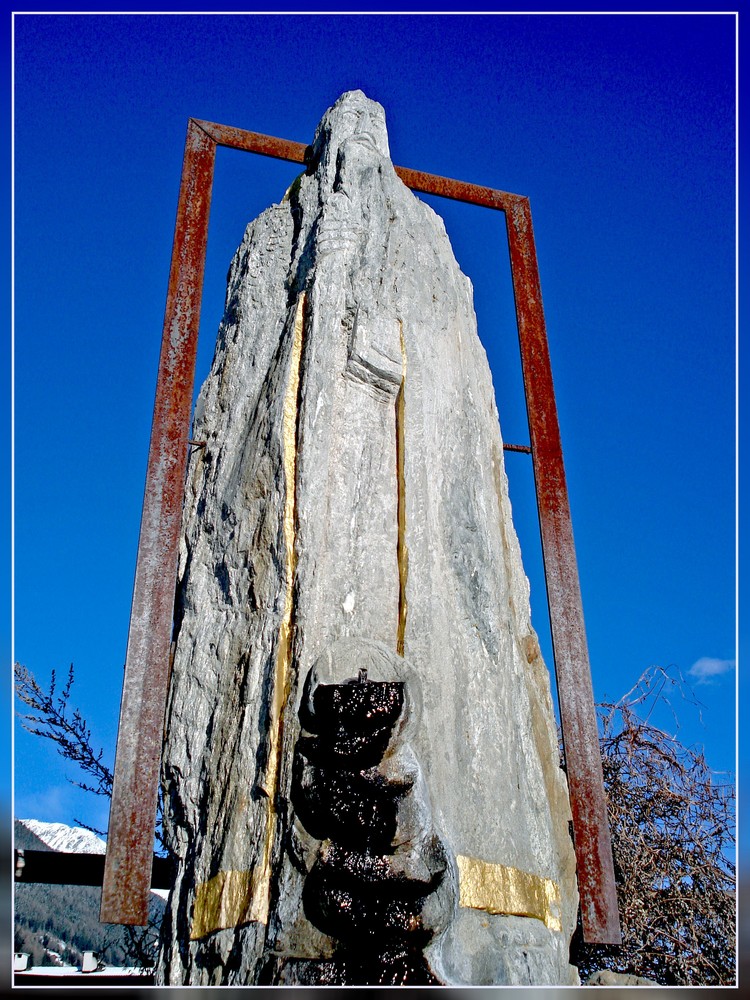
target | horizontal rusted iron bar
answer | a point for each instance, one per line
(446, 187)
(124, 899)
(252, 142)
(417, 180)
(67, 868)
(596, 879)
(517, 447)
(132, 816)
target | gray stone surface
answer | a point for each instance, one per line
(368, 500)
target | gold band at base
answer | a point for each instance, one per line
(227, 900)
(495, 888)
(233, 898)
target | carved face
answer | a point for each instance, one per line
(353, 117)
(365, 123)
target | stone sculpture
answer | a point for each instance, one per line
(352, 490)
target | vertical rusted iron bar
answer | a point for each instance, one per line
(596, 879)
(130, 840)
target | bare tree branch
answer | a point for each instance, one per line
(672, 822)
(52, 718)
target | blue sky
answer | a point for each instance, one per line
(620, 129)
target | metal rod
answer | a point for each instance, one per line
(447, 187)
(253, 142)
(417, 180)
(130, 842)
(596, 879)
(69, 868)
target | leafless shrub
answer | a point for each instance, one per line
(672, 822)
(52, 717)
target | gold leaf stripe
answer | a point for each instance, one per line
(495, 888)
(402, 553)
(283, 659)
(260, 881)
(232, 898)
(227, 900)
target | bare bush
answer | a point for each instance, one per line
(53, 717)
(673, 835)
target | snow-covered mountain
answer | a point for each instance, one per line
(72, 839)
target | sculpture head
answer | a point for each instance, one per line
(353, 118)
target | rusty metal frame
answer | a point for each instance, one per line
(127, 871)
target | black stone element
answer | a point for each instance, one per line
(355, 720)
(382, 897)
(358, 809)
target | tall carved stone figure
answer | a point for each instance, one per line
(350, 508)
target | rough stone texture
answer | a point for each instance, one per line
(367, 499)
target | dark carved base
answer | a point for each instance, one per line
(394, 967)
(381, 882)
